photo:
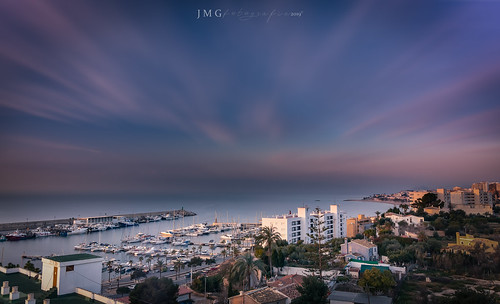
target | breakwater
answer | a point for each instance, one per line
(28, 225)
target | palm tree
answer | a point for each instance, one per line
(268, 236)
(109, 264)
(149, 260)
(224, 253)
(236, 251)
(212, 247)
(246, 266)
(178, 265)
(141, 258)
(160, 263)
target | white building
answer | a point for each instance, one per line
(67, 272)
(297, 226)
(361, 249)
(411, 220)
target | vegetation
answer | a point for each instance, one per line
(29, 266)
(268, 236)
(376, 281)
(312, 291)
(155, 291)
(123, 290)
(470, 296)
(245, 268)
(137, 274)
(428, 200)
(317, 255)
(213, 283)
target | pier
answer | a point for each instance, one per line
(30, 225)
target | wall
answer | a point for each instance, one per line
(86, 276)
(93, 296)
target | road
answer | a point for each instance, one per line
(109, 288)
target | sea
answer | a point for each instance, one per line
(240, 209)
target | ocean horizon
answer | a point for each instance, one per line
(238, 208)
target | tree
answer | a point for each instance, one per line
(370, 233)
(155, 291)
(178, 265)
(137, 274)
(428, 200)
(268, 236)
(195, 261)
(122, 290)
(376, 281)
(31, 267)
(245, 268)
(109, 265)
(470, 296)
(159, 264)
(405, 207)
(224, 254)
(235, 250)
(149, 260)
(312, 291)
(317, 237)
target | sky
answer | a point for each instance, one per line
(273, 97)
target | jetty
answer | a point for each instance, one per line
(30, 225)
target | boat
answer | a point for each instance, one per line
(226, 237)
(77, 230)
(17, 236)
(39, 232)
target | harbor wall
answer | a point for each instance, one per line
(9, 227)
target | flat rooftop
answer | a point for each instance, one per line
(73, 257)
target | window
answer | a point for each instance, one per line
(70, 268)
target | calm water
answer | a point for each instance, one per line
(233, 209)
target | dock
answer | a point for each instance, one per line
(29, 225)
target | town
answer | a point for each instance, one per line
(435, 249)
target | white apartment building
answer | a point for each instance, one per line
(411, 220)
(296, 227)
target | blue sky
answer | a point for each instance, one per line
(130, 97)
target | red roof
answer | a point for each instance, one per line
(125, 300)
(288, 285)
(183, 289)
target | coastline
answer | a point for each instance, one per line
(392, 202)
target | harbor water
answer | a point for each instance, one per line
(243, 212)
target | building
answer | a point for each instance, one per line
(360, 249)
(295, 227)
(467, 242)
(287, 285)
(411, 220)
(345, 297)
(355, 268)
(67, 272)
(471, 201)
(358, 225)
(444, 196)
(263, 295)
(415, 195)
(96, 220)
(352, 228)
